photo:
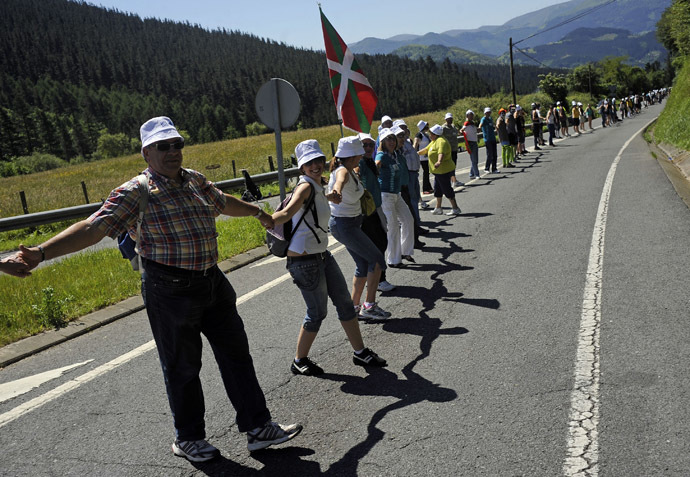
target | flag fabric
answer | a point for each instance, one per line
(355, 99)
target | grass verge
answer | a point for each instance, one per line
(673, 126)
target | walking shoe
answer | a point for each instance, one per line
(306, 367)
(537, 148)
(437, 211)
(374, 312)
(455, 211)
(423, 205)
(384, 286)
(271, 433)
(496, 172)
(368, 358)
(408, 258)
(195, 451)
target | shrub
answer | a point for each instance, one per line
(38, 162)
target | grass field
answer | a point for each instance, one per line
(673, 126)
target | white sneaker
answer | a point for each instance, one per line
(453, 212)
(437, 211)
(384, 286)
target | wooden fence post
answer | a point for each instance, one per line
(270, 163)
(86, 194)
(234, 170)
(22, 197)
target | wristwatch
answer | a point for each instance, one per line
(258, 214)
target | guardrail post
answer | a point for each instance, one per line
(270, 163)
(234, 169)
(332, 150)
(86, 194)
(22, 197)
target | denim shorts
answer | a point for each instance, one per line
(318, 277)
(348, 231)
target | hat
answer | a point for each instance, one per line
(399, 122)
(386, 118)
(518, 108)
(468, 112)
(449, 115)
(502, 111)
(574, 103)
(157, 129)
(349, 146)
(437, 129)
(558, 103)
(421, 125)
(308, 151)
(579, 103)
(363, 136)
(397, 130)
(385, 132)
(487, 110)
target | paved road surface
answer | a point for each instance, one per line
(574, 264)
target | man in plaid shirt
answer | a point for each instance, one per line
(184, 291)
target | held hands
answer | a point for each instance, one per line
(266, 220)
(21, 263)
(334, 197)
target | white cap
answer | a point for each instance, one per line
(363, 136)
(308, 151)
(437, 129)
(385, 132)
(349, 146)
(574, 103)
(399, 122)
(518, 108)
(579, 103)
(397, 130)
(386, 118)
(449, 115)
(421, 125)
(157, 129)
(468, 112)
(487, 110)
(558, 103)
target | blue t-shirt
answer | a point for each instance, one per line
(404, 171)
(370, 180)
(389, 172)
(488, 129)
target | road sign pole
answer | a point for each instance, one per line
(279, 142)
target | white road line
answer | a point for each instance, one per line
(582, 457)
(22, 386)
(73, 384)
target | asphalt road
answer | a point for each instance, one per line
(489, 329)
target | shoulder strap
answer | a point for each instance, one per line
(143, 202)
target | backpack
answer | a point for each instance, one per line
(124, 242)
(278, 238)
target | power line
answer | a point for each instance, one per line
(569, 20)
(530, 57)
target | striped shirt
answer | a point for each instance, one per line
(179, 227)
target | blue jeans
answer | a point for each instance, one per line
(181, 305)
(318, 277)
(491, 156)
(474, 159)
(348, 231)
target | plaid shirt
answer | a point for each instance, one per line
(179, 227)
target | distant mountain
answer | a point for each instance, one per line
(592, 44)
(439, 53)
(637, 16)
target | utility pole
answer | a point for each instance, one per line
(512, 71)
(589, 74)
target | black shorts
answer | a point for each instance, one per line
(576, 121)
(512, 139)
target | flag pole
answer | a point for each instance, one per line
(341, 128)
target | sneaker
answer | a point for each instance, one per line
(368, 358)
(423, 205)
(437, 211)
(537, 148)
(271, 433)
(453, 212)
(496, 172)
(357, 308)
(306, 367)
(374, 312)
(195, 451)
(384, 286)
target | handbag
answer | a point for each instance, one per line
(368, 205)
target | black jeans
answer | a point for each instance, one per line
(373, 229)
(181, 305)
(426, 180)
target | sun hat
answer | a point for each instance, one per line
(385, 132)
(386, 118)
(518, 108)
(558, 103)
(349, 146)
(363, 136)
(437, 129)
(399, 122)
(574, 103)
(308, 151)
(421, 125)
(157, 129)
(468, 112)
(487, 110)
(449, 115)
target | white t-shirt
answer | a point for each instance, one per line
(303, 239)
(350, 205)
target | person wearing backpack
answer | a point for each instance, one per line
(312, 267)
(184, 291)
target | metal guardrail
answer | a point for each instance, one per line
(82, 211)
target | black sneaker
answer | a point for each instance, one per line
(368, 358)
(195, 451)
(306, 367)
(271, 433)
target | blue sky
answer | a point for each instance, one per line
(297, 23)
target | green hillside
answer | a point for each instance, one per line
(439, 53)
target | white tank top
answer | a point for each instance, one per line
(303, 239)
(353, 190)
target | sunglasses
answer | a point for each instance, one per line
(368, 144)
(165, 146)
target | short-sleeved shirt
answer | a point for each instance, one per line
(440, 146)
(470, 131)
(488, 129)
(404, 171)
(179, 227)
(450, 133)
(389, 172)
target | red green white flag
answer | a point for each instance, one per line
(354, 97)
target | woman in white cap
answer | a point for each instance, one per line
(346, 226)
(469, 129)
(422, 140)
(400, 221)
(442, 167)
(312, 267)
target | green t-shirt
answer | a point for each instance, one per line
(440, 146)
